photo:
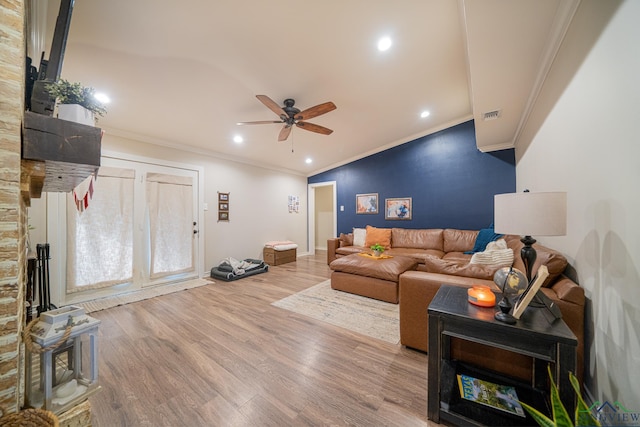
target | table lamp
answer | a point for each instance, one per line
(527, 214)
(481, 295)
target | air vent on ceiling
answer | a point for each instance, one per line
(492, 115)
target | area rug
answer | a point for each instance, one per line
(114, 301)
(367, 316)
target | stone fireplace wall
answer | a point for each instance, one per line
(12, 209)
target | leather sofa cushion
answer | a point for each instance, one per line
(459, 240)
(554, 260)
(350, 250)
(459, 257)
(418, 254)
(384, 269)
(455, 268)
(417, 239)
(346, 239)
(381, 236)
(383, 290)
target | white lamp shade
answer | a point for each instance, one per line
(531, 214)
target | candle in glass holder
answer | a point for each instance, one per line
(482, 296)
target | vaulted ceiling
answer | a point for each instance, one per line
(182, 74)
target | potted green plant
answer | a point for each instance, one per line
(377, 249)
(561, 418)
(67, 94)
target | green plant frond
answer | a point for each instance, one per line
(74, 93)
(560, 414)
(583, 415)
(538, 416)
(377, 247)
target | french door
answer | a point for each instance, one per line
(139, 228)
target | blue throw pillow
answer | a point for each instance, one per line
(485, 236)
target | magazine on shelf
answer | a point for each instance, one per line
(486, 393)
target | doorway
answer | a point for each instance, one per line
(151, 237)
(323, 215)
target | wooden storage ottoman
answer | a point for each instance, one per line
(274, 257)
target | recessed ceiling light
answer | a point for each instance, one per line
(237, 139)
(308, 160)
(102, 97)
(384, 44)
(424, 114)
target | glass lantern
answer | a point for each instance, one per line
(61, 359)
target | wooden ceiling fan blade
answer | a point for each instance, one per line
(314, 128)
(271, 104)
(260, 122)
(316, 111)
(284, 133)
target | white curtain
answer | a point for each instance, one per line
(100, 239)
(170, 213)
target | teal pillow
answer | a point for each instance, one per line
(485, 236)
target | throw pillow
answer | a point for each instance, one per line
(359, 236)
(381, 236)
(485, 236)
(346, 239)
(496, 254)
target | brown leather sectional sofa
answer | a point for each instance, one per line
(441, 260)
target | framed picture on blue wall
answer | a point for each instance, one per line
(367, 203)
(398, 208)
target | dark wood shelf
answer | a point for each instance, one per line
(456, 410)
(70, 152)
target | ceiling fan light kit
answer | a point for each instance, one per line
(291, 115)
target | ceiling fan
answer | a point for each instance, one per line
(290, 116)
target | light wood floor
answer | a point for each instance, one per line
(221, 355)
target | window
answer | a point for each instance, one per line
(100, 238)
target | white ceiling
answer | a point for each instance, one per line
(182, 74)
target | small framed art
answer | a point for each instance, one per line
(527, 296)
(294, 204)
(367, 203)
(223, 206)
(398, 208)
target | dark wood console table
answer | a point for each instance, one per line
(451, 315)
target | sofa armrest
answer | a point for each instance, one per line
(332, 245)
(415, 294)
(570, 298)
(568, 290)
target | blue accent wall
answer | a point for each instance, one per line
(450, 181)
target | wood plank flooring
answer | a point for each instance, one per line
(221, 355)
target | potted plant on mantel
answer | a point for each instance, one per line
(76, 102)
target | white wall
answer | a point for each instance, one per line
(588, 144)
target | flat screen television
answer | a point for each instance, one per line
(37, 99)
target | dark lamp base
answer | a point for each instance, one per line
(505, 307)
(505, 317)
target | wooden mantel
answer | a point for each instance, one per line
(70, 152)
